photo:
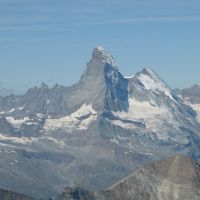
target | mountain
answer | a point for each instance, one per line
(4, 91)
(191, 96)
(9, 195)
(102, 128)
(176, 178)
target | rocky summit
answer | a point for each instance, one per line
(101, 128)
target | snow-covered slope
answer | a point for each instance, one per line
(80, 119)
(196, 107)
(154, 108)
(191, 97)
(103, 126)
(149, 80)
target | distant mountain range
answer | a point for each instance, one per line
(5, 92)
(95, 132)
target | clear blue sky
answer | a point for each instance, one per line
(51, 40)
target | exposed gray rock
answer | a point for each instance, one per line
(8, 195)
(191, 94)
(177, 178)
(191, 97)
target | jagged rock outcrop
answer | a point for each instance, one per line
(177, 178)
(8, 195)
(191, 97)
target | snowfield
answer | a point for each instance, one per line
(77, 120)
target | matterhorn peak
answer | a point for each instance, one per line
(102, 55)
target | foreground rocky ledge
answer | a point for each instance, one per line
(177, 178)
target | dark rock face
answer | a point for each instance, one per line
(191, 97)
(116, 98)
(8, 195)
(6, 128)
(177, 178)
(78, 194)
(191, 94)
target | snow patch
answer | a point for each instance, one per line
(40, 115)
(154, 117)
(12, 110)
(196, 108)
(140, 110)
(153, 82)
(21, 108)
(155, 85)
(21, 140)
(150, 154)
(16, 123)
(77, 120)
(124, 125)
(27, 141)
(114, 140)
(129, 77)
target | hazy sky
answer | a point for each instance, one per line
(52, 40)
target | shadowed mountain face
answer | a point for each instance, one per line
(103, 127)
(191, 97)
(8, 195)
(177, 178)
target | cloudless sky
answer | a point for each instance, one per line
(51, 40)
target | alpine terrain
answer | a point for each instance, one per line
(177, 178)
(191, 96)
(96, 132)
(9, 195)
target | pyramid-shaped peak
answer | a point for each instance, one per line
(152, 74)
(100, 48)
(150, 80)
(148, 75)
(100, 54)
